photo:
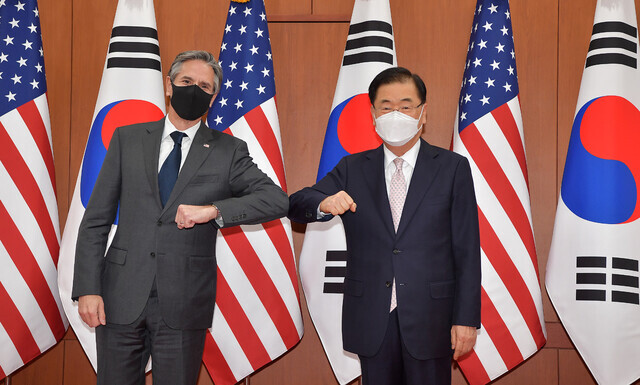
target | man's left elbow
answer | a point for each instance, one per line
(282, 204)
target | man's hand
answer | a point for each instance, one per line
(338, 204)
(91, 310)
(188, 216)
(463, 338)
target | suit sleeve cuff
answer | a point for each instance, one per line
(218, 219)
(320, 214)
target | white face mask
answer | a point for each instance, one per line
(396, 128)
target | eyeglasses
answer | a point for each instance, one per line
(407, 110)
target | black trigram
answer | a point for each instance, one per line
(613, 42)
(134, 47)
(334, 272)
(622, 277)
(369, 41)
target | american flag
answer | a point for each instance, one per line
(488, 131)
(31, 315)
(257, 316)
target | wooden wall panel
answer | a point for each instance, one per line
(44, 370)
(535, 28)
(92, 22)
(431, 40)
(333, 7)
(277, 8)
(572, 369)
(202, 30)
(556, 336)
(56, 40)
(77, 368)
(574, 34)
(203, 378)
(304, 91)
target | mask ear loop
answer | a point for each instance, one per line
(420, 117)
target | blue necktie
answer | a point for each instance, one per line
(170, 168)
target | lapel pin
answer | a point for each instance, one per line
(206, 145)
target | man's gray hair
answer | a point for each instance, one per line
(205, 56)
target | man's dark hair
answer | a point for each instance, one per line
(397, 75)
(206, 57)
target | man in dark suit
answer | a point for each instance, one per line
(172, 183)
(412, 287)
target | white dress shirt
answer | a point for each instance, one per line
(166, 144)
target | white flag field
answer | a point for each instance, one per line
(131, 91)
(370, 49)
(592, 272)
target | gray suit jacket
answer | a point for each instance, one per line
(148, 243)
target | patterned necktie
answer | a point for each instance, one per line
(169, 171)
(397, 196)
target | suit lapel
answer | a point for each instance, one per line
(423, 176)
(374, 175)
(151, 150)
(200, 149)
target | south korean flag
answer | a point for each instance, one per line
(592, 272)
(131, 92)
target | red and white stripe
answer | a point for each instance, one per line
(257, 316)
(512, 319)
(31, 315)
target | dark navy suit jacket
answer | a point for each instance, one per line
(434, 256)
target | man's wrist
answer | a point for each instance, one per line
(320, 214)
(216, 215)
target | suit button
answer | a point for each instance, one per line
(153, 254)
(308, 215)
(159, 223)
(396, 251)
(387, 284)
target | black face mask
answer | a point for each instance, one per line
(190, 102)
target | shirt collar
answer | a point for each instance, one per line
(410, 157)
(169, 128)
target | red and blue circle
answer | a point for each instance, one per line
(350, 130)
(110, 117)
(602, 172)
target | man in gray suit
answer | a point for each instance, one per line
(172, 184)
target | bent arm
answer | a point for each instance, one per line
(304, 204)
(256, 198)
